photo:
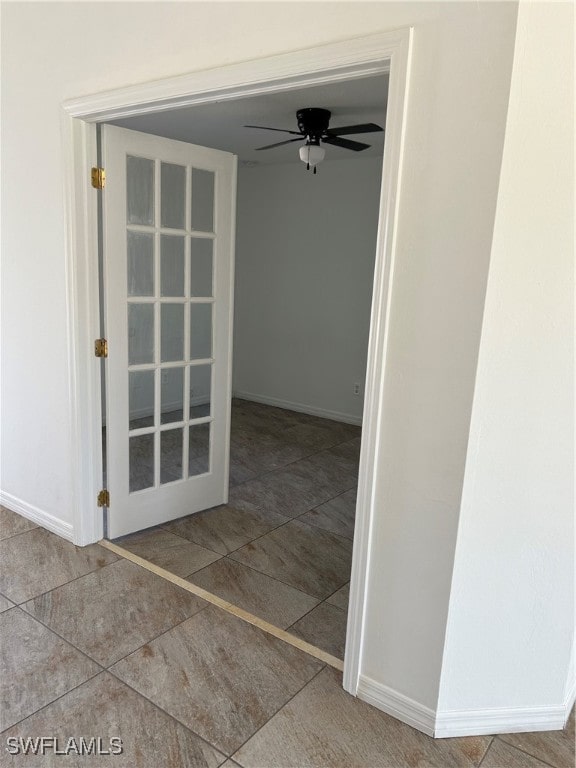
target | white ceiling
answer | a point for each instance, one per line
(220, 125)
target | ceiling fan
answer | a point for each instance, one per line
(313, 127)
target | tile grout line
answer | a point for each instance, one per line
(294, 461)
(7, 598)
(105, 671)
(332, 595)
(524, 752)
(254, 570)
(319, 527)
(251, 541)
(19, 533)
(320, 601)
(64, 639)
(153, 639)
(165, 712)
(274, 715)
(219, 602)
(311, 611)
(233, 560)
(486, 752)
(57, 586)
(49, 703)
(103, 667)
(347, 490)
(227, 556)
(275, 578)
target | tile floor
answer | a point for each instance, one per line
(95, 646)
(281, 548)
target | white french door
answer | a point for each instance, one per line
(168, 223)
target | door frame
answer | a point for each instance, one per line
(387, 52)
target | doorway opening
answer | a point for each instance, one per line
(385, 53)
(281, 548)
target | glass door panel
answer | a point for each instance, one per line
(172, 337)
(172, 255)
(200, 331)
(141, 462)
(200, 391)
(173, 196)
(171, 455)
(201, 270)
(168, 257)
(141, 399)
(140, 264)
(202, 200)
(140, 190)
(199, 449)
(140, 334)
(172, 395)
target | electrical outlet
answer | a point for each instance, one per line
(356, 388)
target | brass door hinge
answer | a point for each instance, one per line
(104, 499)
(98, 177)
(101, 348)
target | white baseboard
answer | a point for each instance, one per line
(396, 704)
(481, 722)
(347, 418)
(37, 515)
(449, 724)
(570, 698)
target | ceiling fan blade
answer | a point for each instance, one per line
(266, 128)
(279, 144)
(345, 130)
(356, 146)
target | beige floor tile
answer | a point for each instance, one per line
(264, 450)
(336, 515)
(320, 434)
(307, 558)
(11, 523)
(123, 607)
(554, 747)
(218, 675)
(263, 596)
(285, 492)
(323, 727)
(324, 627)
(334, 468)
(37, 561)
(502, 755)
(223, 529)
(165, 549)
(350, 449)
(36, 667)
(340, 598)
(104, 707)
(295, 489)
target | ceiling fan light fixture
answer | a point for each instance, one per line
(312, 154)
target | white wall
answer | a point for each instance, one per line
(511, 621)
(305, 252)
(455, 131)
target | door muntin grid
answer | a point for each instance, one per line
(170, 321)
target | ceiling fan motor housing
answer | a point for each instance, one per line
(313, 123)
